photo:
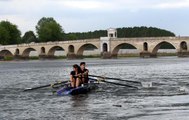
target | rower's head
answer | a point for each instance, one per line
(75, 67)
(82, 65)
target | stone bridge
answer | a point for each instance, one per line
(47, 50)
(108, 47)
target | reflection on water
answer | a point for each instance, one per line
(166, 99)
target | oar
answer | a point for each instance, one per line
(115, 79)
(125, 85)
(43, 86)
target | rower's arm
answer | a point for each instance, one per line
(71, 78)
(86, 72)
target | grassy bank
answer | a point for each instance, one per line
(8, 58)
(167, 54)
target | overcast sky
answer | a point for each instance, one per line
(89, 15)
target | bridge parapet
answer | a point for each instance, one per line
(58, 42)
(151, 38)
(148, 38)
(8, 46)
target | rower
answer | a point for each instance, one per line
(75, 76)
(84, 73)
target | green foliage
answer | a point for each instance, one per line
(49, 30)
(122, 32)
(29, 37)
(127, 46)
(4, 36)
(71, 36)
(9, 33)
(143, 32)
(8, 58)
(167, 46)
(86, 35)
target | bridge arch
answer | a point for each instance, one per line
(183, 46)
(118, 47)
(71, 49)
(52, 50)
(26, 52)
(17, 51)
(84, 47)
(105, 47)
(6, 53)
(157, 47)
(43, 50)
(145, 46)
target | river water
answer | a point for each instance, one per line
(166, 99)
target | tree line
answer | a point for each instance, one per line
(48, 29)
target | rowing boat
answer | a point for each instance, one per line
(83, 89)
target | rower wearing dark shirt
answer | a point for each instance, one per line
(75, 76)
(84, 73)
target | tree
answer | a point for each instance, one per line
(29, 37)
(4, 36)
(9, 33)
(49, 30)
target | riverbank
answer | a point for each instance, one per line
(83, 57)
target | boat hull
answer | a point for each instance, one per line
(79, 90)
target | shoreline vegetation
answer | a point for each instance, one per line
(84, 57)
(49, 30)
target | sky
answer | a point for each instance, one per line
(90, 15)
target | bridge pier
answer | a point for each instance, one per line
(106, 55)
(43, 56)
(17, 57)
(145, 54)
(153, 55)
(183, 54)
(72, 56)
(47, 57)
(24, 57)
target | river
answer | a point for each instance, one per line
(166, 99)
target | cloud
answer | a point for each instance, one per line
(43, 6)
(174, 5)
(23, 23)
(83, 4)
(85, 15)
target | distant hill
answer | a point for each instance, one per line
(121, 33)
